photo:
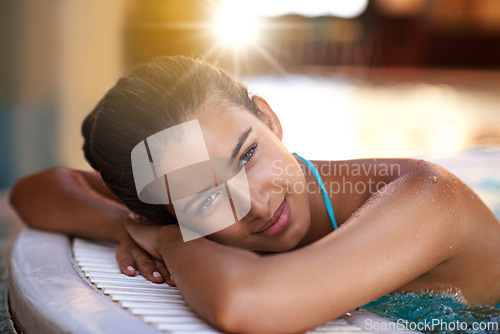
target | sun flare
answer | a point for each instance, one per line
(235, 24)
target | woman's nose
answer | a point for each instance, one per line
(248, 201)
(259, 204)
(249, 196)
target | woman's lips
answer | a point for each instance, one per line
(279, 222)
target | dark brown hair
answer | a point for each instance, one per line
(155, 96)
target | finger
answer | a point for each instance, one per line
(162, 268)
(170, 281)
(147, 267)
(144, 234)
(125, 261)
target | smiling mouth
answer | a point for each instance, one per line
(278, 222)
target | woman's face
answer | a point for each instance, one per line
(279, 215)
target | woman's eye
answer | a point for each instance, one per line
(207, 203)
(209, 200)
(247, 156)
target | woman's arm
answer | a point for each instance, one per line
(78, 203)
(71, 202)
(410, 227)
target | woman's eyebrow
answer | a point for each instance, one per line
(241, 140)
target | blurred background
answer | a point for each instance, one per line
(348, 79)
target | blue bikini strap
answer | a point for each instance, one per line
(326, 199)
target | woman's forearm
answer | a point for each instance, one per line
(71, 202)
(209, 275)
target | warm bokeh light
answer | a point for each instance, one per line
(407, 8)
(236, 22)
(52, 75)
(310, 8)
(331, 117)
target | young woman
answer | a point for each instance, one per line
(403, 224)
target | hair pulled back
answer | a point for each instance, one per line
(154, 96)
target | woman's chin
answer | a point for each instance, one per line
(288, 242)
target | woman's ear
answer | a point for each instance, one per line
(268, 116)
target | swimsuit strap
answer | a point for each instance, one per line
(326, 199)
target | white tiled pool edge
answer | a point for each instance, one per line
(47, 295)
(158, 304)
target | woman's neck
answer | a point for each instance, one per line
(320, 221)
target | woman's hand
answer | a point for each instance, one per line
(146, 236)
(130, 256)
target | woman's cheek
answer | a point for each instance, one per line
(231, 235)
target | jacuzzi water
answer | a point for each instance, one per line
(431, 312)
(5, 236)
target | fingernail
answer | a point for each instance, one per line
(156, 274)
(130, 268)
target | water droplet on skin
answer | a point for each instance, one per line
(434, 179)
(356, 214)
(450, 247)
(393, 211)
(432, 199)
